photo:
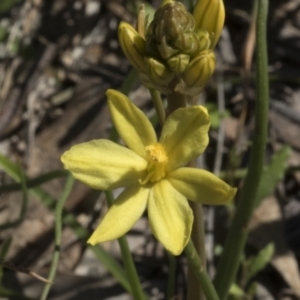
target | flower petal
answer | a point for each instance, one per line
(122, 215)
(201, 186)
(170, 217)
(131, 123)
(185, 135)
(102, 164)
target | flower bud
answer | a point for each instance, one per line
(178, 63)
(200, 69)
(157, 72)
(210, 15)
(204, 39)
(133, 45)
(171, 31)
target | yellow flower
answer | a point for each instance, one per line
(152, 171)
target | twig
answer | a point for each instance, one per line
(9, 265)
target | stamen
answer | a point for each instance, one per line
(157, 160)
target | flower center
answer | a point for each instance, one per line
(157, 160)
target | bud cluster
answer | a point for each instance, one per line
(176, 49)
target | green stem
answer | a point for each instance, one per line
(159, 107)
(58, 229)
(136, 289)
(199, 271)
(171, 277)
(235, 242)
(194, 289)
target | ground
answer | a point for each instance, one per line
(57, 59)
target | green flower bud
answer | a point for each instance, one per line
(157, 72)
(172, 31)
(133, 45)
(164, 50)
(210, 15)
(200, 69)
(178, 63)
(204, 39)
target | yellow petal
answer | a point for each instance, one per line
(131, 123)
(170, 217)
(102, 164)
(201, 186)
(122, 215)
(185, 135)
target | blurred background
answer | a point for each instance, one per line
(57, 59)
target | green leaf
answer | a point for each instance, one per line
(272, 173)
(257, 263)
(149, 11)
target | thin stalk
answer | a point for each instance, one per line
(200, 273)
(234, 246)
(136, 289)
(194, 289)
(158, 104)
(58, 230)
(195, 292)
(171, 277)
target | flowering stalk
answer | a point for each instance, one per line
(184, 43)
(199, 271)
(159, 107)
(177, 100)
(238, 233)
(136, 289)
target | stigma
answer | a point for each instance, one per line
(157, 160)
